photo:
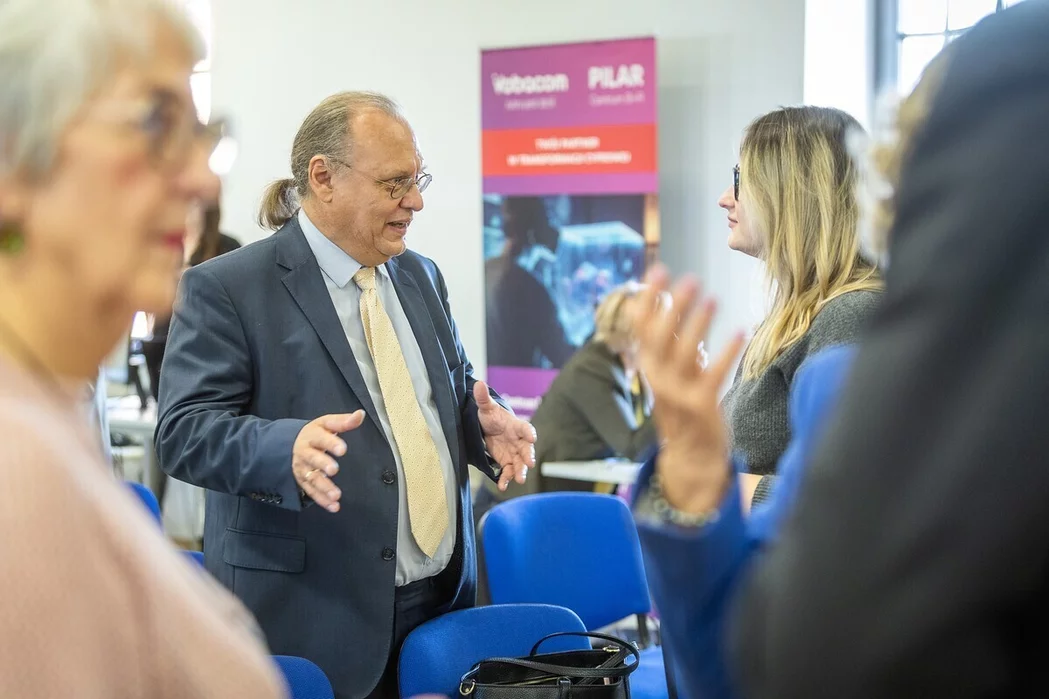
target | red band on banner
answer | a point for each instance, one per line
(570, 150)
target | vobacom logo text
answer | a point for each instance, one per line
(515, 84)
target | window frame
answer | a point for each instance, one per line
(888, 40)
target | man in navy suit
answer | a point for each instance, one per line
(278, 400)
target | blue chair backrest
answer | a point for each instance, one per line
(304, 678)
(148, 499)
(436, 655)
(575, 550)
(195, 556)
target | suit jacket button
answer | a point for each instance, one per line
(387, 554)
(388, 477)
(278, 499)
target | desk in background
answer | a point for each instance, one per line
(182, 504)
(126, 416)
(616, 471)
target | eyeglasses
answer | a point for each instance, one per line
(398, 188)
(172, 132)
(735, 182)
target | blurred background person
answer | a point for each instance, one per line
(203, 241)
(793, 205)
(524, 329)
(101, 154)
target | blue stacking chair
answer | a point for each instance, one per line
(305, 679)
(148, 499)
(436, 655)
(580, 551)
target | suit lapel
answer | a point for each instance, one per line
(436, 367)
(305, 283)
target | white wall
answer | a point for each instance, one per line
(720, 64)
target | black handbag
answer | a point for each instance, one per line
(601, 673)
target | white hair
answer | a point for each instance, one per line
(54, 54)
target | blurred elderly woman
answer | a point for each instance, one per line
(100, 157)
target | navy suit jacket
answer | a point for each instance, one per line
(256, 351)
(695, 574)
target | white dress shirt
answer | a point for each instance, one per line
(338, 269)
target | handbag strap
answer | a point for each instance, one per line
(620, 643)
(467, 682)
(556, 670)
(599, 673)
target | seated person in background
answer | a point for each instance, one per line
(591, 410)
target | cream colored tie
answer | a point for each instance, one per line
(424, 481)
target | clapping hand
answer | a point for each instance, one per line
(693, 463)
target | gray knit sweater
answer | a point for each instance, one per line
(756, 409)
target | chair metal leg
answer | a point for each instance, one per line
(644, 639)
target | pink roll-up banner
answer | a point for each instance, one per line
(570, 193)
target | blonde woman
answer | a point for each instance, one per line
(793, 205)
(100, 156)
(698, 544)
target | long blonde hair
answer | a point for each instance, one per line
(800, 188)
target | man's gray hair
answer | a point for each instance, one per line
(54, 54)
(325, 131)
